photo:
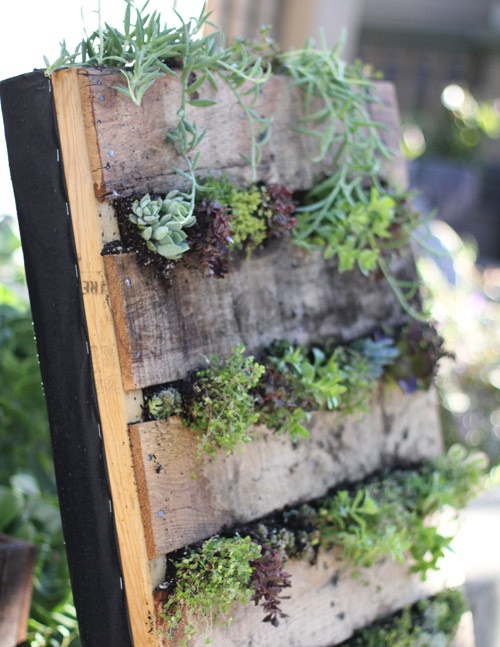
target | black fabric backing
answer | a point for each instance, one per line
(60, 328)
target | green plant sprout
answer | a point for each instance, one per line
(386, 515)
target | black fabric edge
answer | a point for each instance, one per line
(62, 341)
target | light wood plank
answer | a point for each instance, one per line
(284, 292)
(132, 157)
(327, 604)
(270, 472)
(75, 134)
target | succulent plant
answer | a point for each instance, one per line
(161, 223)
(165, 403)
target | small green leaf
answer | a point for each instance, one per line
(201, 103)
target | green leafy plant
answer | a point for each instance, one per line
(339, 377)
(389, 516)
(208, 582)
(222, 409)
(28, 502)
(353, 232)
(432, 622)
(28, 513)
(386, 515)
(290, 381)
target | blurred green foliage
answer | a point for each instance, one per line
(464, 299)
(28, 501)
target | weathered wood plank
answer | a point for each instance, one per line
(17, 560)
(132, 156)
(270, 472)
(327, 604)
(282, 292)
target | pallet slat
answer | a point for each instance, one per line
(327, 604)
(270, 472)
(284, 292)
(122, 167)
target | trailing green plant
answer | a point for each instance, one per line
(431, 622)
(222, 408)
(146, 50)
(161, 223)
(208, 582)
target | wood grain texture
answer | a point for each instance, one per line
(283, 292)
(327, 604)
(72, 119)
(270, 472)
(132, 156)
(17, 560)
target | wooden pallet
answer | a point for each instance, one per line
(141, 332)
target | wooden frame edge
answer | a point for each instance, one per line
(69, 88)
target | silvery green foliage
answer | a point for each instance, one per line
(162, 222)
(167, 402)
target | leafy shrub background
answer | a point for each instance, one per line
(28, 502)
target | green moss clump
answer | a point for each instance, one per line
(429, 623)
(248, 224)
(209, 581)
(223, 408)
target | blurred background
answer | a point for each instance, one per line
(444, 57)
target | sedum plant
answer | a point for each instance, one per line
(161, 223)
